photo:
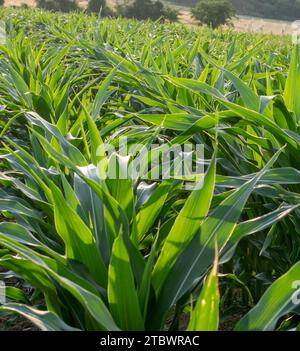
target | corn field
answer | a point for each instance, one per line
(79, 252)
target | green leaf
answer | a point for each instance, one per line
(251, 100)
(174, 121)
(199, 254)
(44, 320)
(290, 94)
(151, 208)
(18, 208)
(280, 299)
(102, 94)
(92, 303)
(80, 242)
(16, 294)
(196, 86)
(205, 316)
(122, 293)
(253, 226)
(185, 227)
(69, 150)
(95, 141)
(144, 292)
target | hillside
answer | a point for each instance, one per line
(274, 9)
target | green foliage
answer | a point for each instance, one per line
(58, 5)
(99, 7)
(144, 9)
(205, 316)
(118, 254)
(213, 13)
(96, 5)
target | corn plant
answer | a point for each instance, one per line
(129, 254)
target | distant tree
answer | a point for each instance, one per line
(1, 2)
(58, 5)
(214, 13)
(96, 5)
(99, 6)
(170, 13)
(144, 9)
